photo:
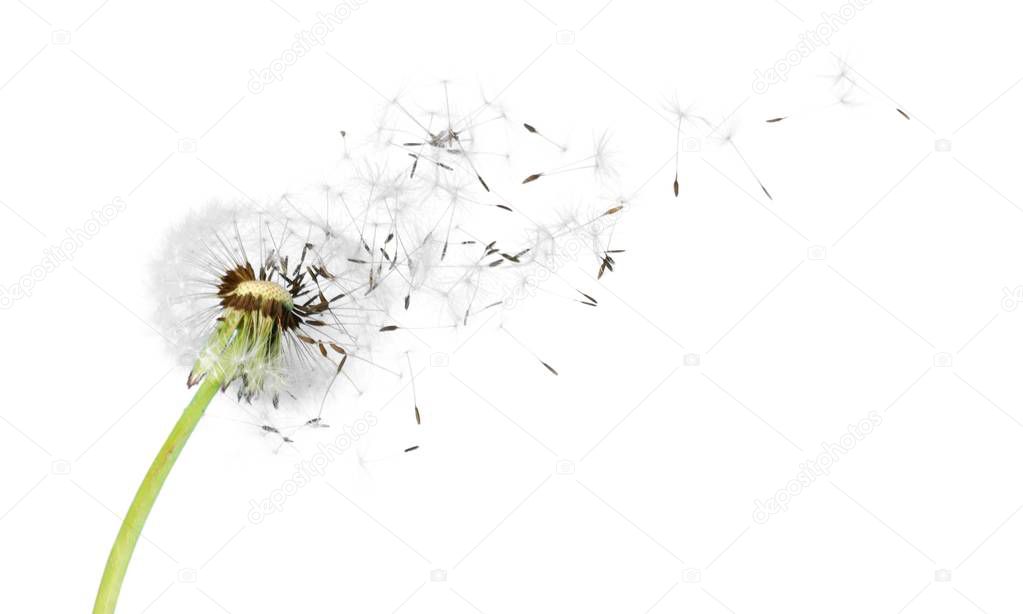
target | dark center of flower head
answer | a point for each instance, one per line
(261, 322)
(242, 290)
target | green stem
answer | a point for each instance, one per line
(131, 528)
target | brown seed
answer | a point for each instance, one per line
(193, 379)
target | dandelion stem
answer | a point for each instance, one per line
(131, 528)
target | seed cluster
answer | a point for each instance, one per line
(429, 229)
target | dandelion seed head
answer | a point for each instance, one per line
(245, 295)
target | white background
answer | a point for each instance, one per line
(879, 279)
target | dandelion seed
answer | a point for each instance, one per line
(847, 88)
(684, 113)
(599, 161)
(531, 352)
(842, 74)
(607, 262)
(683, 116)
(592, 302)
(415, 396)
(533, 130)
(344, 141)
(730, 140)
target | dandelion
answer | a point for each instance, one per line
(262, 297)
(278, 305)
(252, 297)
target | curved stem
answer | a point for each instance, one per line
(131, 528)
